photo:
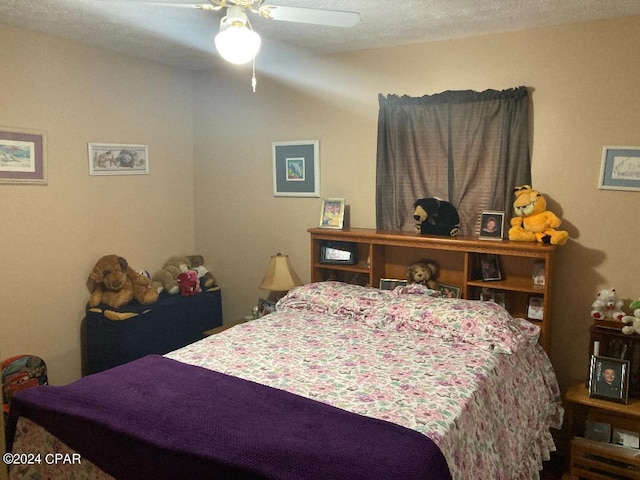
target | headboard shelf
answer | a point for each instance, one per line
(386, 254)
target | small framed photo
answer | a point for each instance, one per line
(332, 213)
(490, 267)
(265, 307)
(296, 168)
(491, 225)
(23, 156)
(391, 283)
(620, 168)
(118, 159)
(535, 310)
(537, 273)
(449, 291)
(609, 379)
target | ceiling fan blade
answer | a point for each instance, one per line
(333, 18)
(200, 6)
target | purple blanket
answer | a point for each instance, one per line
(159, 418)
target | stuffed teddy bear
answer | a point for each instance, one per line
(189, 283)
(632, 322)
(423, 273)
(533, 222)
(114, 283)
(436, 217)
(607, 306)
(167, 278)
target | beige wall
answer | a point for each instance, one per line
(584, 82)
(52, 235)
(210, 147)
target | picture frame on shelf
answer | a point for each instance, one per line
(535, 309)
(449, 291)
(332, 213)
(391, 283)
(537, 273)
(491, 225)
(490, 266)
(620, 169)
(118, 159)
(23, 156)
(296, 168)
(609, 379)
(265, 307)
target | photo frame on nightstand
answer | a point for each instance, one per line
(609, 379)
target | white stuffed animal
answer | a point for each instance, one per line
(607, 306)
(632, 323)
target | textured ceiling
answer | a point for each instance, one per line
(183, 37)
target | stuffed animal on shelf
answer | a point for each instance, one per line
(632, 322)
(607, 306)
(423, 273)
(167, 278)
(532, 221)
(189, 283)
(114, 283)
(436, 217)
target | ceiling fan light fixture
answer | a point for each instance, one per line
(236, 42)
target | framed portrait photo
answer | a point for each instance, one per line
(449, 291)
(332, 213)
(296, 168)
(23, 156)
(609, 379)
(535, 309)
(490, 267)
(491, 225)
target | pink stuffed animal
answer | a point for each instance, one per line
(189, 283)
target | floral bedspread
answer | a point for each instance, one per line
(464, 373)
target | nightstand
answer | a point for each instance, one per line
(222, 328)
(596, 460)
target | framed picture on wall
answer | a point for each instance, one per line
(620, 168)
(118, 159)
(296, 168)
(23, 156)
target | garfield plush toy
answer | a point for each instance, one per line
(533, 222)
(114, 283)
(423, 273)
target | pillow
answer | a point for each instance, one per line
(334, 298)
(484, 324)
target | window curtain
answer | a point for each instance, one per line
(470, 148)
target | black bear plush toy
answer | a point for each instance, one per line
(436, 217)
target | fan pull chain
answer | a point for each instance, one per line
(253, 77)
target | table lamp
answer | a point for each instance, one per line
(280, 277)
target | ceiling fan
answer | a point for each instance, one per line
(238, 43)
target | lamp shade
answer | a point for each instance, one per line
(235, 42)
(280, 276)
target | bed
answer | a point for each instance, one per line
(342, 381)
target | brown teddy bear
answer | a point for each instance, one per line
(422, 273)
(114, 283)
(167, 278)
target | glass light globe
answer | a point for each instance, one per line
(237, 44)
